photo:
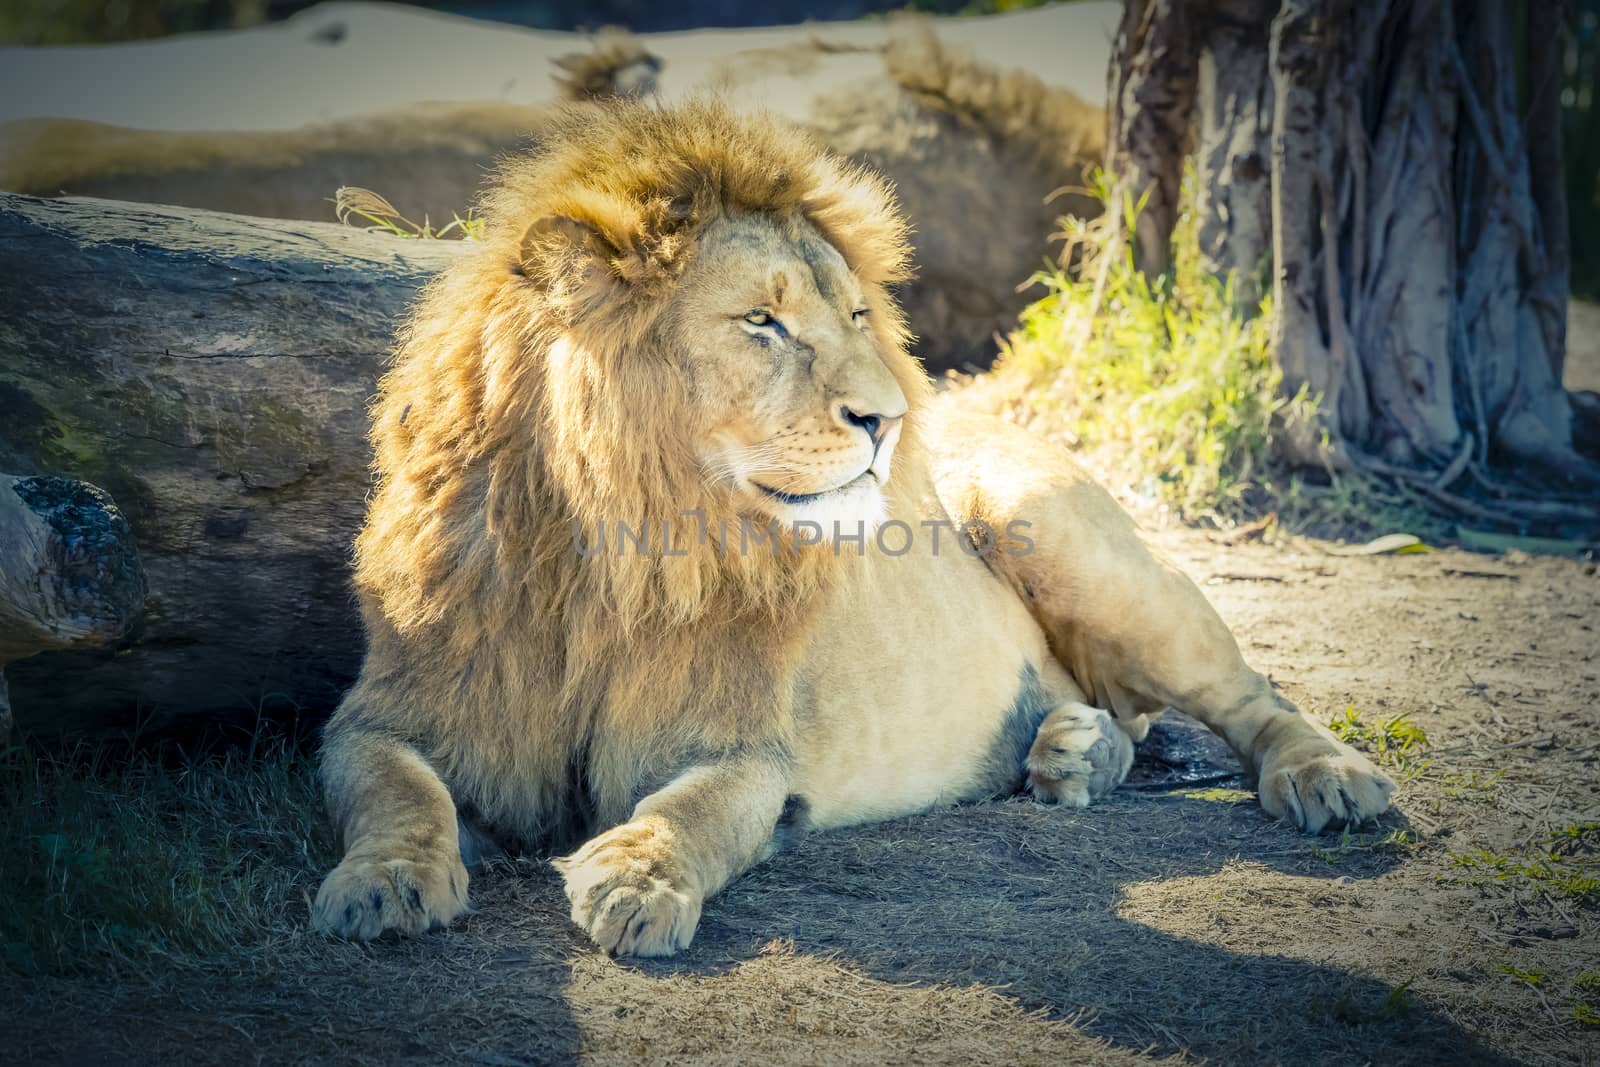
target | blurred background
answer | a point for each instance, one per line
(82, 21)
(63, 22)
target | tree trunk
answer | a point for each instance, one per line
(1233, 174)
(1417, 227)
(211, 372)
(1308, 357)
(1547, 40)
(1150, 93)
(1398, 312)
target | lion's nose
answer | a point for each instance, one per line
(876, 425)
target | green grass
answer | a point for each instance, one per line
(1575, 838)
(1472, 785)
(1351, 844)
(1586, 999)
(1582, 990)
(1396, 737)
(364, 208)
(1396, 741)
(110, 858)
(1167, 385)
(1534, 978)
(1567, 869)
(1167, 379)
(1218, 795)
(1396, 1005)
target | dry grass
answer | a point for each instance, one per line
(119, 861)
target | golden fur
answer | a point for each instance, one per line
(678, 310)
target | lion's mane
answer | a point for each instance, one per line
(534, 389)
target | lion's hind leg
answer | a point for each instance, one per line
(1080, 754)
(1133, 632)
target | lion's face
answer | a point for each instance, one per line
(798, 413)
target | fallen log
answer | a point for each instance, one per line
(211, 373)
(69, 572)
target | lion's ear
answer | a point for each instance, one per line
(571, 260)
(554, 240)
(608, 240)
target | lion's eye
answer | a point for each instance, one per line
(761, 318)
(859, 315)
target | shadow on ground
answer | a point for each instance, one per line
(1039, 901)
(1173, 918)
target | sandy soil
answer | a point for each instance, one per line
(1170, 921)
(337, 60)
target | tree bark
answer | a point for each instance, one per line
(1150, 94)
(1526, 412)
(1400, 316)
(1233, 172)
(1547, 47)
(211, 372)
(1418, 226)
(1309, 358)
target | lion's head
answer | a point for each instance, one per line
(796, 413)
(675, 311)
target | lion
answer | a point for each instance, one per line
(839, 597)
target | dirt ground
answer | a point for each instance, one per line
(1172, 921)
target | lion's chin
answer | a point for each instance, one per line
(855, 508)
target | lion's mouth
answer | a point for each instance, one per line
(807, 498)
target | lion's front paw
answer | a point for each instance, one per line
(364, 897)
(1324, 785)
(626, 896)
(1080, 755)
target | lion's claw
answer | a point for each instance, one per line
(624, 897)
(363, 898)
(1080, 755)
(1331, 787)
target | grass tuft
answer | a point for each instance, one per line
(1533, 978)
(1166, 380)
(1472, 785)
(1220, 795)
(1166, 386)
(1396, 1005)
(1396, 737)
(1395, 741)
(1569, 869)
(1396, 841)
(356, 206)
(1581, 989)
(112, 858)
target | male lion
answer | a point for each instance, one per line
(680, 321)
